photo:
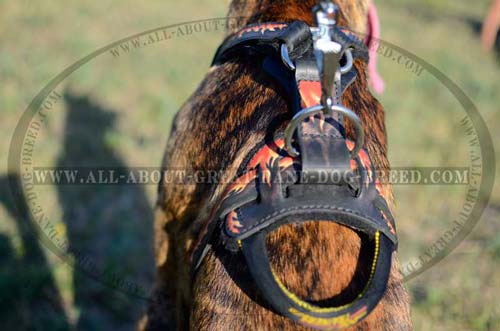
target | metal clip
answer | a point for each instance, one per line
(285, 57)
(328, 54)
(328, 57)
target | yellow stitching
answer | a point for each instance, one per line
(333, 323)
(316, 309)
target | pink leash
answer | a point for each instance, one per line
(372, 38)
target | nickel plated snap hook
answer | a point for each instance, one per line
(328, 54)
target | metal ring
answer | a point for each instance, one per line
(296, 120)
(307, 112)
(348, 56)
(285, 57)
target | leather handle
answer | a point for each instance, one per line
(320, 318)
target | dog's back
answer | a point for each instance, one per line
(232, 110)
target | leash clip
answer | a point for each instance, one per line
(328, 54)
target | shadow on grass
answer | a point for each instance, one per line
(111, 225)
(29, 299)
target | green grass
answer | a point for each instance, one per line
(119, 110)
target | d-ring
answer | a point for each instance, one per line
(348, 65)
(305, 113)
(285, 57)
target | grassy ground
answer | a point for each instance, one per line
(117, 111)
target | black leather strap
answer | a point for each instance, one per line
(262, 204)
(278, 190)
(329, 133)
(245, 226)
(265, 39)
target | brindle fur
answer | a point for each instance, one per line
(235, 107)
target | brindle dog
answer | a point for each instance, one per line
(236, 106)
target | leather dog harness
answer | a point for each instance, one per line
(332, 179)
